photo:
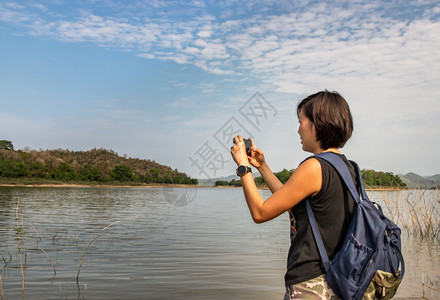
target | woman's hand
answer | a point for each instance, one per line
(257, 156)
(238, 152)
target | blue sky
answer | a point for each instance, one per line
(171, 80)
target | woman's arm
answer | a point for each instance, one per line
(272, 182)
(305, 181)
(258, 161)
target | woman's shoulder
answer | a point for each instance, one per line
(306, 180)
(311, 163)
(327, 167)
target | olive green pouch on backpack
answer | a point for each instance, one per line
(383, 286)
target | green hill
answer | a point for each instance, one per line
(96, 165)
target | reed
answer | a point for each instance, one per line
(38, 235)
(19, 234)
(92, 240)
(1, 287)
(42, 250)
(21, 247)
(432, 287)
(18, 231)
(417, 212)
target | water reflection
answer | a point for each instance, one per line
(209, 249)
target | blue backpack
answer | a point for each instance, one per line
(368, 263)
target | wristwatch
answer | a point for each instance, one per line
(243, 170)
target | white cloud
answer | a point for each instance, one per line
(385, 63)
(12, 13)
(204, 34)
(192, 50)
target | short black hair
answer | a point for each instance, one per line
(331, 115)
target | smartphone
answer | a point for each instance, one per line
(248, 144)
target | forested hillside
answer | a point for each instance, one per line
(96, 165)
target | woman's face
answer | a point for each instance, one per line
(307, 134)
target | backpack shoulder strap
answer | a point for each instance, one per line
(344, 172)
(318, 238)
(361, 183)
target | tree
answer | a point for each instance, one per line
(235, 182)
(91, 173)
(4, 144)
(221, 183)
(64, 172)
(122, 173)
(155, 174)
(284, 175)
(12, 169)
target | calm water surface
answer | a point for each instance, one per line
(208, 249)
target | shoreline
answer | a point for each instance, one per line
(155, 185)
(77, 185)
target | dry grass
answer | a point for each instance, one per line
(1, 287)
(19, 230)
(22, 249)
(417, 212)
(430, 287)
(93, 239)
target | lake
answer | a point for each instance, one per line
(158, 243)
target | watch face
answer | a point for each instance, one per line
(241, 170)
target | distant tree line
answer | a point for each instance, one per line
(374, 179)
(96, 165)
(371, 179)
(283, 176)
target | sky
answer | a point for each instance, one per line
(174, 81)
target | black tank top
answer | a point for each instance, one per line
(333, 214)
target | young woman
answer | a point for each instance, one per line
(325, 124)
